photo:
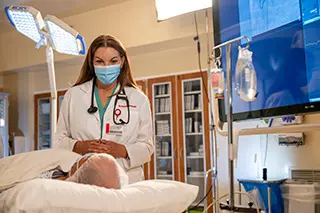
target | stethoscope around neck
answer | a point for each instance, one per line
(116, 112)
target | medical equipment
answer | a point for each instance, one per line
(116, 111)
(217, 79)
(52, 33)
(240, 209)
(246, 78)
(92, 109)
(285, 43)
(232, 147)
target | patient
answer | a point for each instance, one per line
(93, 169)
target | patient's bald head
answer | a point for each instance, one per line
(100, 170)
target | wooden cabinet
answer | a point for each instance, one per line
(42, 120)
(180, 110)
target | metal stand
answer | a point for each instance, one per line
(53, 91)
(231, 203)
(213, 139)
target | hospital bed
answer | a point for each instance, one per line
(21, 192)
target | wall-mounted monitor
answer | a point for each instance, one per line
(285, 41)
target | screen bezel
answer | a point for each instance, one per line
(256, 114)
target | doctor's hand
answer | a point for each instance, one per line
(83, 147)
(109, 147)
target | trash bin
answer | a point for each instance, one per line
(262, 186)
(301, 198)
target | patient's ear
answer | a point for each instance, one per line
(78, 164)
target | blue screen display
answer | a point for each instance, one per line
(285, 41)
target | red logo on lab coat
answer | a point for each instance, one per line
(107, 128)
(126, 106)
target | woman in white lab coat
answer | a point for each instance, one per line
(105, 111)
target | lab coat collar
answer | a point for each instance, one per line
(87, 87)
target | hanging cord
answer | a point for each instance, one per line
(197, 39)
(194, 207)
(267, 144)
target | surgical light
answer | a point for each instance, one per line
(64, 38)
(26, 20)
(52, 33)
(169, 8)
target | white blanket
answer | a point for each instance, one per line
(26, 166)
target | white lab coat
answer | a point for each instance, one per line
(75, 123)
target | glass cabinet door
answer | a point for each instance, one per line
(43, 118)
(4, 146)
(193, 134)
(44, 123)
(194, 138)
(162, 116)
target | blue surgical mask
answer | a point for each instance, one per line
(107, 74)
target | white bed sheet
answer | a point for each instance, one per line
(151, 196)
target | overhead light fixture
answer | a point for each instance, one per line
(170, 8)
(26, 20)
(52, 33)
(64, 38)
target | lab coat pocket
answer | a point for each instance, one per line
(112, 132)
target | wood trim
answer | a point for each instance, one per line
(172, 80)
(206, 127)
(175, 128)
(150, 84)
(180, 118)
(142, 83)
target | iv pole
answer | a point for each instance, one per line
(230, 116)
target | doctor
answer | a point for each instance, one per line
(105, 111)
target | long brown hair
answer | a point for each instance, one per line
(87, 71)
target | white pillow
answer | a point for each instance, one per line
(150, 196)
